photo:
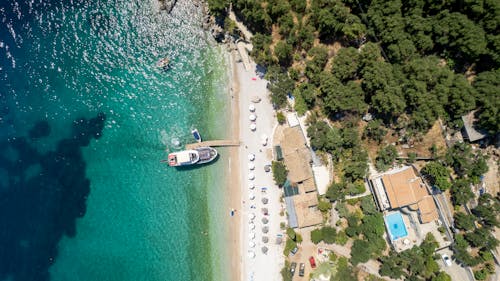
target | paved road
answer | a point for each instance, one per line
(456, 272)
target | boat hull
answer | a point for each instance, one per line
(198, 156)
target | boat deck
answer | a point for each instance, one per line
(213, 143)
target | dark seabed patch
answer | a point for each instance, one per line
(42, 197)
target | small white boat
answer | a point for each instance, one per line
(200, 155)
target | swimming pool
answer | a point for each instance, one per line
(396, 225)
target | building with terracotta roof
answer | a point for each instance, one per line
(302, 206)
(404, 188)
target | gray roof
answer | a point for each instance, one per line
(292, 215)
(470, 131)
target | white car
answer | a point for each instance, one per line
(446, 259)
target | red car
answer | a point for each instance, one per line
(312, 262)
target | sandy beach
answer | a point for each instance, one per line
(252, 190)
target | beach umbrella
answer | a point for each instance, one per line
(251, 166)
(251, 216)
(279, 240)
(251, 176)
(251, 254)
(251, 108)
(251, 244)
(251, 225)
(265, 200)
(251, 156)
(253, 127)
(251, 195)
(265, 220)
(265, 229)
(251, 186)
(252, 117)
(265, 239)
(264, 249)
(251, 235)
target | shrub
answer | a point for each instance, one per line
(289, 245)
(341, 238)
(285, 272)
(324, 206)
(291, 233)
(281, 118)
(342, 210)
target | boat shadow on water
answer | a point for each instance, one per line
(197, 166)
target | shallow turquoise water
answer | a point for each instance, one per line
(62, 60)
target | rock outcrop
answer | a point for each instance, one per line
(167, 5)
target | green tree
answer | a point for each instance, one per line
(359, 252)
(461, 192)
(300, 105)
(280, 86)
(316, 236)
(329, 234)
(218, 7)
(385, 157)
(340, 98)
(316, 65)
(487, 210)
(442, 276)
(279, 173)
(487, 84)
(438, 175)
(374, 130)
(461, 253)
(346, 63)
(369, 54)
(283, 52)
(368, 205)
(482, 238)
(464, 221)
(457, 32)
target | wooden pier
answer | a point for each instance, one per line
(213, 143)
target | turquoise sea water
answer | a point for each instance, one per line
(85, 120)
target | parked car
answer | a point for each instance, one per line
(294, 251)
(292, 268)
(446, 259)
(312, 262)
(302, 268)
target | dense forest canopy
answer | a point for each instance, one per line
(406, 63)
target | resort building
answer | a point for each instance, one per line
(403, 188)
(409, 210)
(301, 195)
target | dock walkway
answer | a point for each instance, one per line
(213, 143)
